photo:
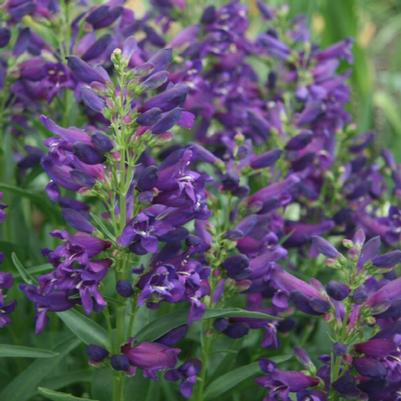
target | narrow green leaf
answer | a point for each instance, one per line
(68, 378)
(25, 275)
(17, 351)
(84, 328)
(237, 312)
(24, 386)
(161, 326)
(164, 324)
(58, 396)
(230, 380)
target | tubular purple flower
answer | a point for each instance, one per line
(103, 16)
(92, 100)
(369, 251)
(154, 356)
(83, 72)
(385, 296)
(324, 247)
(387, 260)
(266, 159)
(169, 99)
(274, 190)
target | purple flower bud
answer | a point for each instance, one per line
(360, 295)
(92, 100)
(149, 117)
(220, 324)
(148, 178)
(83, 72)
(98, 48)
(88, 154)
(387, 260)
(167, 121)
(209, 15)
(266, 159)
(264, 10)
(96, 353)
(174, 336)
(201, 153)
(237, 330)
(369, 367)
(120, 362)
(340, 349)
(5, 36)
(6, 280)
(300, 141)
(369, 250)
(337, 290)
(103, 16)
(237, 267)
(259, 124)
(161, 59)
(152, 356)
(376, 347)
(78, 220)
(155, 80)
(101, 142)
(324, 247)
(169, 99)
(124, 288)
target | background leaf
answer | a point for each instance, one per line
(58, 396)
(18, 351)
(84, 328)
(24, 386)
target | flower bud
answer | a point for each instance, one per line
(337, 290)
(124, 288)
(120, 362)
(96, 354)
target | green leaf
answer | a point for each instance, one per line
(17, 351)
(237, 312)
(58, 396)
(25, 275)
(84, 328)
(234, 377)
(229, 380)
(39, 200)
(24, 386)
(160, 326)
(68, 378)
(36, 269)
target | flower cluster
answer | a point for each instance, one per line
(199, 172)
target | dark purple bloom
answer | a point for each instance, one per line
(83, 72)
(96, 354)
(151, 357)
(120, 363)
(387, 260)
(124, 288)
(187, 375)
(337, 290)
(324, 247)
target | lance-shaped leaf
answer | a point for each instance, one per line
(59, 396)
(17, 351)
(24, 386)
(84, 328)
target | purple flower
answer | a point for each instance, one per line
(279, 383)
(75, 279)
(187, 375)
(151, 357)
(96, 354)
